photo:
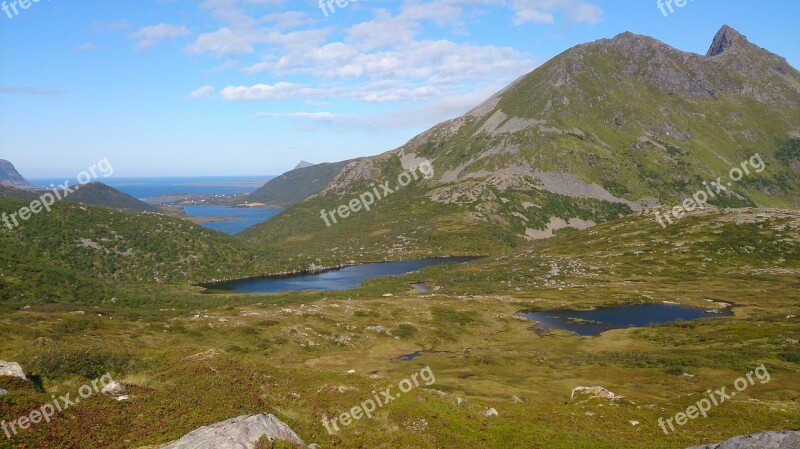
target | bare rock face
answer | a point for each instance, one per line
(765, 440)
(242, 432)
(725, 38)
(11, 369)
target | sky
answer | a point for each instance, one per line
(251, 87)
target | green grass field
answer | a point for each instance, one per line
(193, 359)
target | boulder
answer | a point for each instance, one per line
(379, 329)
(764, 440)
(596, 392)
(4, 392)
(242, 432)
(11, 369)
(490, 412)
(114, 389)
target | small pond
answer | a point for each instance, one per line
(593, 322)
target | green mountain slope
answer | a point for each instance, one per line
(296, 185)
(98, 194)
(603, 129)
(78, 253)
(92, 194)
(7, 191)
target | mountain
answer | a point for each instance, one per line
(297, 185)
(99, 194)
(303, 164)
(94, 194)
(602, 130)
(10, 176)
(7, 191)
(79, 253)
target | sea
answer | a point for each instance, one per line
(146, 189)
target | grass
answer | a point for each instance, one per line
(192, 359)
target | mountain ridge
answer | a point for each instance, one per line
(604, 128)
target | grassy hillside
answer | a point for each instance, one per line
(92, 194)
(76, 253)
(408, 224)
(287, 354)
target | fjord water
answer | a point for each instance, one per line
(593, 322)
(144, 188)
(336, 279)
(236, 219)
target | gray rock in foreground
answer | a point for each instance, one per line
(12, 369)
(4, 392)
(114, 389)
(765, 440)
(242, 432)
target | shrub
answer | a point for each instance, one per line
(405, 331)
(265, 443)
(91, 363)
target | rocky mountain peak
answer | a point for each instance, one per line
(726, 38)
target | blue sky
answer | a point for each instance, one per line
(251, 87)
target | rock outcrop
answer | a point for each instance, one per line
(12, 369)
(116, 390)
(596, 392)
(764, 440)
(242, 432)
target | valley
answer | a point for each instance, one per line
(561, 274)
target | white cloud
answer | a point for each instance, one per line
(426, 115)
(376, 92)
(151, 35)
(401, 55)
(86, 47)
(543, 11)
(203, 93)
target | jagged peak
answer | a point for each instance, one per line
(726, 38)
(303, 164)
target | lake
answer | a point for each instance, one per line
(336, 279)
(593, 322)
(237, 218)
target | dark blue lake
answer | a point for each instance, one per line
(593, 322)
(338, 279)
